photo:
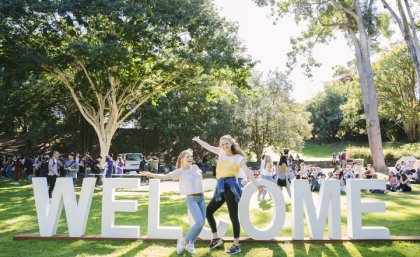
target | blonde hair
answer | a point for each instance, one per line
(268, 161)
(235, 148)
(182, 155)
(283, 168)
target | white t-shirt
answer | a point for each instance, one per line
(189, 180)
(54, 164)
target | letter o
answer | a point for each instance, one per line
(279, 215)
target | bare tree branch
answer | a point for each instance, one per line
(156, 90)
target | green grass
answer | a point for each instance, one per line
(322, 151)
(391, 150)
(18, 215)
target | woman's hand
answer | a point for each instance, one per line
(196, 139)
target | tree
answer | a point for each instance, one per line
(408, 29)
(269, 115)
(360, 23)
(326, 115)
(32, 108)
(396, 78)
(186, 112)
(113, 56)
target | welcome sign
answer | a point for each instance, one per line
(327, 209)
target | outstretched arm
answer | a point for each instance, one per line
(250, 175)
(205, 145)
(170, 175)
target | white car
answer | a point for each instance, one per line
(131, 161)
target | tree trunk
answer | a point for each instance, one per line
(411, 39)
(410, 129)
(368, 89)
(104, 145)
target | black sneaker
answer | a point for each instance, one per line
(234, 249)
(215, 243)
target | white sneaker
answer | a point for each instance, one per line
(190, 248)
(180, 246)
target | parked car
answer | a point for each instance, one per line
(131, 161)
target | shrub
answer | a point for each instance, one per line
(392, 154)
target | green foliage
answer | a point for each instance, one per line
(326, 115)
(33, 107)
(360, 153)
(184, 113)
(270, 116)
(396, 81)
(112, 56)
(392, 153)
(323, 21)
(354, 119)
(398, 107)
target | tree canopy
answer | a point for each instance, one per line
(113, 56)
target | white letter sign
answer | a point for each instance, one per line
(279, 214)
(328, 204)
(154, 229)
(110, 206)
(49, 213)
(355, 208)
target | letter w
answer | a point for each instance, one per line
(64, 194)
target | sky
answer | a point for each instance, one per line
(269, 44)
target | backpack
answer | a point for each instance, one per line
(143, 165)
(283, 159)
(43, 172)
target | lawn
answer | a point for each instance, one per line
(322, 151)
(312, 150)
(18, 215)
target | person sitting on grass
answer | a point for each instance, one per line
(370, 171)
(392, 182)
(405, 184)
(190, 184)
(377, 191)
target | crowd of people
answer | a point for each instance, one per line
(51, 166)
(229, 168)
(288, 168)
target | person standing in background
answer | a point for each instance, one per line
(143, 167)
(52, 172)
(119, 165)
(109, 167)
(155, 164)
(266, 173)
(344, 159)
(334, 158)
(71, 167)
(213, 163)
(17, 171)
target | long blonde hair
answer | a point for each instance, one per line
(235, 148)
(267, 161)
(182, 155)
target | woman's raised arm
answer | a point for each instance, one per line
(206, 146)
